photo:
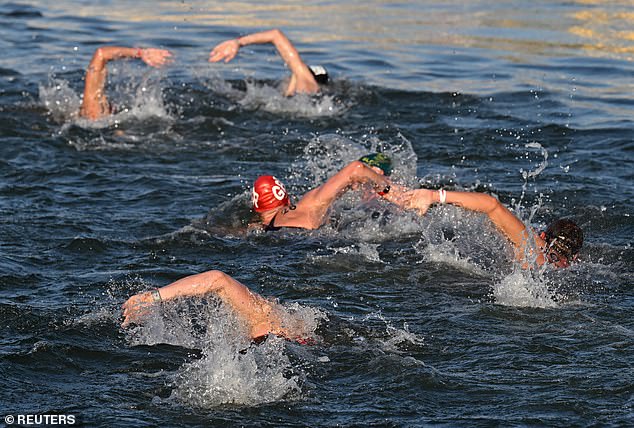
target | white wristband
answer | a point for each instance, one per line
(442, 196)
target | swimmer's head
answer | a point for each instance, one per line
(378, 160)
(564, 240)
(319, 73)
(268, 193)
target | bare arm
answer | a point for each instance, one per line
(254, 309)
(95, 103)
(511, 226)
(302, 79)
(312, 208)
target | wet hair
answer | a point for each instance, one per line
(319, 73)
(565, 237)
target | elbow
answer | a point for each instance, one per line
(99, 58)
(212, 280)
(492, 204)
(313, 225)
(100, 53)
(277, 35)
(355, 171)
(356, 168)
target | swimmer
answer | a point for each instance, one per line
(95, 103)
(272, 203)
(304, 79)
(260, 314)
(558, 245)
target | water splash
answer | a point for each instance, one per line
(542, 166)
(466, 240)
(231, 369)
(368, 252)
(270, 98)
(396, 338)
(524, 288)
(134, 98)
(60, 100)
(448, 253)
(531, 174)
(326, 154)
(262, 374)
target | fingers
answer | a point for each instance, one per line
(422, 210)
(420, 201)
(135, 307)
(131, 316)
(417, 200)
(156, 57)
(216, 56)
(224, 51)
(126, 322)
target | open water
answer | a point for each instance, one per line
(420, 321)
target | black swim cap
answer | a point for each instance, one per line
(319, 73)
(378, 160)
(565, 237)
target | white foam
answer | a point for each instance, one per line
(396, 337)
(524, 288)
(134, 98)
(224, 376)
(60, 100)
(325, 155)
(447, 252)
(273, 100)
(231, 369)
(262, 96)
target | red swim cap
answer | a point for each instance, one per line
(268, 193)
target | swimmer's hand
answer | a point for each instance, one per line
(418, 200)
(226, 50)
(156, 57)
(135, 307)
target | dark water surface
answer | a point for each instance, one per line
(422, 321)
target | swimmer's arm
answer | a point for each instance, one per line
(189, 286)
(151, 56)
(95, 104)
(502, 218)
(358, 173)
(302, 79)
(249, 305)
(354, 173)
(311, 210)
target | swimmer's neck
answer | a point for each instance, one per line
(268, 216)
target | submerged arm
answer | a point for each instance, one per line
(302, 79)
(95, 103)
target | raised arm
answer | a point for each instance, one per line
(95, 103)
(255, 310)
(302, 80)
(511, 226)
(314, 205)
